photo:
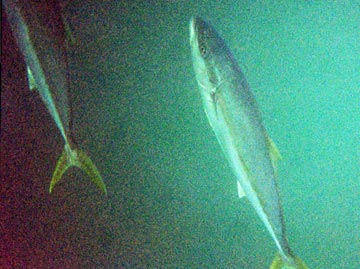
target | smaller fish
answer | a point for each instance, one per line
(40, 35)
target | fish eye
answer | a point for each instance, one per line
(203, 51)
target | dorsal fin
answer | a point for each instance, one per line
(273, 151)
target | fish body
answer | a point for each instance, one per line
(235, 117)
(40, 36)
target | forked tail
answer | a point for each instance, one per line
(76, 157)
(296, 263)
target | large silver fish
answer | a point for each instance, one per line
(40, 36)
(235, 117)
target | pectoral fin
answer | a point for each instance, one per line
(31, 80)
(78, 158)
(241, 192)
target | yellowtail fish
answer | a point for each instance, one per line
(40, 36)
(234, 115)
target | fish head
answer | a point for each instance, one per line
(207, 50)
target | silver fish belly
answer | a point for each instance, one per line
(234, 115)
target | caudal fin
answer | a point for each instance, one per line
(78, 158)
(296, 263)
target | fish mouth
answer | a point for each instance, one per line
(195, 23)
(192, 30)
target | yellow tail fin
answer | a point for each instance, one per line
(78, 158)
(279, 263)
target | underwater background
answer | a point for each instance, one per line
(172, 199)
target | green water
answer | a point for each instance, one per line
(172, 198)
(172, 194)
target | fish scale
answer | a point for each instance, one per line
(234, 116)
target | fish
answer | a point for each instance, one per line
(39, 33)
(235, 118)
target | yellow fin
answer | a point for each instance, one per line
(279, 263)
(31, 79)
(274, 152)
(69, 37)
(78, 158)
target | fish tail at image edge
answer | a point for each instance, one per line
(236, 120)
(279, 263)
(76, 157)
